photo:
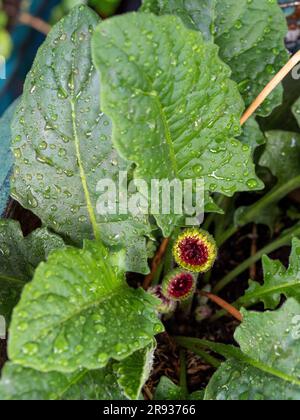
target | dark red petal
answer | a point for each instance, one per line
(181, 285)
(193, 251)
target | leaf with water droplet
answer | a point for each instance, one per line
(250, 34)
(19, 257)
(267, 365)
(92, 309)
(63, 136)
(134, 371)
(20, 383)
(152, 135)
(6, 158)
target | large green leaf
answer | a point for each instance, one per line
(250, 35)
(277, 281)
(19, 383)
(79, 312)
(133, 372)
(62, 143)
(180, 106)
(19, 257)
(268, 365)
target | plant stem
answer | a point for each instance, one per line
(283, 240)
(225, 305)
(186, 342)
(222, 312)
(156, 262)
(273, 196)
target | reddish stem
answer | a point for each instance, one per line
(225, 305)
(155, 263)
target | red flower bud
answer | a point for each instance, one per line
(179, 285)
(195, 250)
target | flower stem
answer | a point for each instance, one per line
(283, 240)
(225, 305)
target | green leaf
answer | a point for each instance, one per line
(250, 35)
(62, 143)
(267, 216)
(167, 391)
(133, 372)
(19, 257)
(79, 312)
(192, 13)
(181, 107)
(277, 281)
(105, 7)
(19, 383)
(282, 155)
(296, 110)
(267, 367)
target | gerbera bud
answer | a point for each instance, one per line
(166, 306)
(195, 250)
(179, 285)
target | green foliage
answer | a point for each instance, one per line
(62, 144)
(20, 383)
(105, 7)
(267, 367)
(19, 257)
(249, 33)
(134, 371)
(277, 281)
(281, 156)
(167, 390)
(79, 312)
(201, 142)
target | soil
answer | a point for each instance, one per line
(231, 254)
